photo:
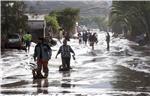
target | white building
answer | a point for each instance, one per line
(36, 25)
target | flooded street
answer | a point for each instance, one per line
(122, 71)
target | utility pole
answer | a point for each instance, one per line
(44, 29)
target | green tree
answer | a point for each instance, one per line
(67, 19)
(13, 18)
(52, 24)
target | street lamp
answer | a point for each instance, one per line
(44, 28)
(76, 27)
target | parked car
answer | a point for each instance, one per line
(15, 41)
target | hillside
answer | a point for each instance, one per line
(87, 8)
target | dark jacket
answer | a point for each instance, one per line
(42, 51)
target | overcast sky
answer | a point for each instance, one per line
(75, 0)
(56, 0)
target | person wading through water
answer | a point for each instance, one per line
(27, 39)
(85, 37)
(65, 51)
(107, 40)
(93, 39)
(42, 54)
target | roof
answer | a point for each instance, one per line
(35, 17)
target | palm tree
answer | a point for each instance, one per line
(13, 18)
(133, 15)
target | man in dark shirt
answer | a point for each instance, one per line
(107, 40)
(42, 54)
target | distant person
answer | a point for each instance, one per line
(65, 51)
(42, 54)
(107, 40)
(80, 37)
(85, 37)
(93, 39)
(88, 34)
(66, 36)
(27, 39)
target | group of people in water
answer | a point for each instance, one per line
(87, 36)
(92, 38)
(43, 52)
